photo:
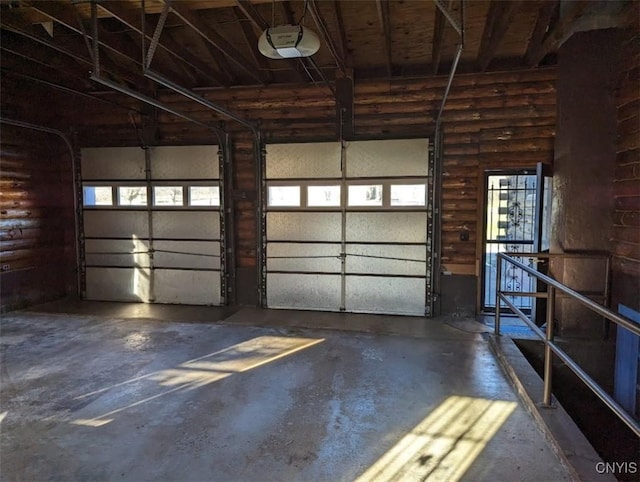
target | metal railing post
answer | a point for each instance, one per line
(548, 353)
(498, 284)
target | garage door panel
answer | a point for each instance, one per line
(376, 259)
(186, 224)
(187, 287)
(377, 294)
(187, 254)
(402, 157)
(311, 257)
(116, 224)
(303, 226)
(303, 161)
(113, 163)
(305, 291)
(115, 252)
(387, 227)
(185, 162)
(118, 284)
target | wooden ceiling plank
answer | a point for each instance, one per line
(324, 33)
(220, 61)
(439, 24)
(300, 67)
(252, 42)
(252, 14)
(545, 14)
(167, 43)
(383, 16)
(342, 37)
(63, 15)
(213, 38)
(496, 26)
(557, 32)
(13, 24)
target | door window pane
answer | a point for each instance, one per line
(98, 196)
(132, 196)
(365, 195)
(204, 196)
(284, 196)
(167, 195)
(408, 194)
(323, 196)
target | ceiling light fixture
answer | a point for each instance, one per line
(288, 41)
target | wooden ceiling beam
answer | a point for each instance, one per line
(439, 24)
(14, 24)
(324, 33)
(495, 27)
(385, 25)
(546, 13)
(342, 37)
(220, 61)
(207, 31)
(557, 33)
(249, 11)
(252, 42)
(63, 15)
(168, 44)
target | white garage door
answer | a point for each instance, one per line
(152, 224)
(346, 226)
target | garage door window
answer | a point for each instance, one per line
(204, 196)
(408, 195)
(132, 195)
(167, 196)
(323, 196)
(98, 196)
(284, 196)
(365, 195)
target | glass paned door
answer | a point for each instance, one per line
(510, 226)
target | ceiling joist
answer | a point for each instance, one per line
(385, 25)
(207, 31)
(324, 33)
(166, 43)
(496, 26)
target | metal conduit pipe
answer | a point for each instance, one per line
(439, 148)
(69, 145)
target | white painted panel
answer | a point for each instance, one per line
(116, 224)
(308, 160)
(186, 224)
(395, 157)
(303, 257)
(186, 254)
(187, 287)
(303, 226)
(304, 291)
(399, 227)
(396, 296)
(114, 252)
(185, 162)
(118, 284)
(112, 163)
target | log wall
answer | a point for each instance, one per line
(626, 185)
(37, 250)
(490, 121)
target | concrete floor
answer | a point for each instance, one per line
(115, 397)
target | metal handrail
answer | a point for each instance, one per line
(548, 336)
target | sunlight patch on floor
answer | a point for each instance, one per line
(210, 368)
(445, 444)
